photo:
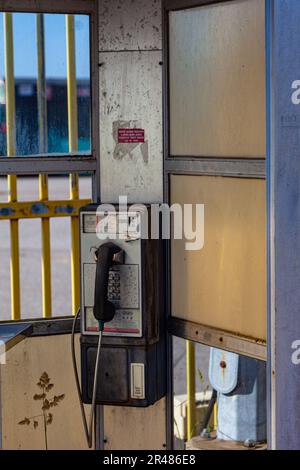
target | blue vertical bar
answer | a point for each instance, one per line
(271, 422)
(283, 173)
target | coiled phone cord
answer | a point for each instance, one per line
(87, 429)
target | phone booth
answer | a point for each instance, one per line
(216, 154)
(226, 73)
(194, 103)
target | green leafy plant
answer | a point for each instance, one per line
(47, 404)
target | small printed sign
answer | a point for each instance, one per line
(131, 136)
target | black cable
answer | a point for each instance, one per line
(88, 430)
(209, 410)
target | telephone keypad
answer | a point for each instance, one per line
(114, 290)
(124, 292)
(123, 286)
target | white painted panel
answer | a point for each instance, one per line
(130, 25)
(131, 97)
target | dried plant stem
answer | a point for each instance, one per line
(45, 430)
(48, 403)
(45, 421)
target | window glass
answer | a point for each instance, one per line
(217, 80)
(26, 42)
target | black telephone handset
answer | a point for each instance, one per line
(104, 310)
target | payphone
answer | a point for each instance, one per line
(121, 301)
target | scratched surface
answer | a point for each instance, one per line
(134, 26)
(131, 96)
(130, 43)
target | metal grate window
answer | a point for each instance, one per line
(46, 128)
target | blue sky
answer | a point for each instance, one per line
(24, 25)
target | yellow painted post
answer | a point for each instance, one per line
(73, 147)
(43, 179)
(191, 389)
(215, 416)
(11, 151)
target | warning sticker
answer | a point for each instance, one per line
(131, 136)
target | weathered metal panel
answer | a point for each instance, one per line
(130, 25)
(284, 222)
(217, 80)
(131, 97)
(219, 167)
(223, 285)
(135, 428)
(130, 42)
(54, 165)
(24, 365)
(217, 338)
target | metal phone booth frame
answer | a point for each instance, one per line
(281, 170)
(144, 56)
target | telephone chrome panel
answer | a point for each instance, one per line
(121, 282)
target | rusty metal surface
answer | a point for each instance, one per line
(225, 340)
(134, 25)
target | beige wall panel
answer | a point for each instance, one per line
(25, 364)
(217, 80)
(135, 428)
(224, 284)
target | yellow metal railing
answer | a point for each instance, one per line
(73, 147)
(11, 151)
(13, 210)
(191, 389)
(192, 425)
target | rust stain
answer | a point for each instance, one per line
(223, 366)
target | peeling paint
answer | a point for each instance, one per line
(6, 211)
(65, 209)
(39, 208)
(123, 150)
